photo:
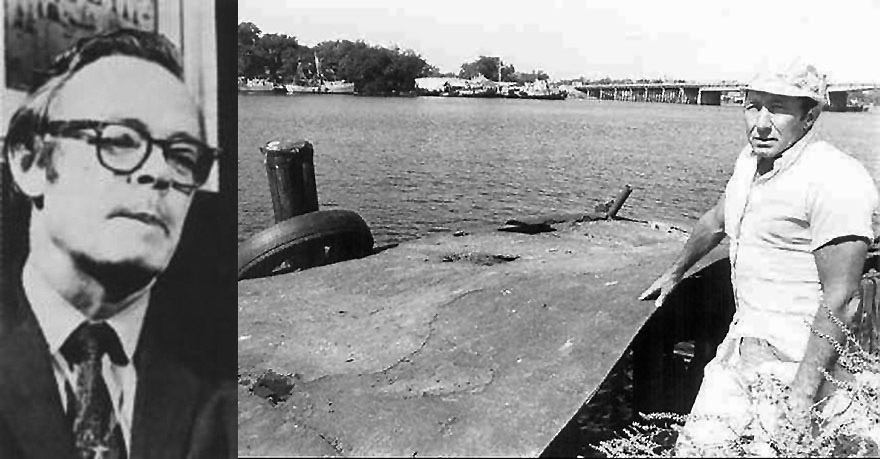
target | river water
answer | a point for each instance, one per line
(411, 166)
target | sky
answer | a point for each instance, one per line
(674, 39)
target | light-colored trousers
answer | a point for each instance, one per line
(725, 408)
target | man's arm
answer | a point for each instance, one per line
(840, 264)
(706, 234)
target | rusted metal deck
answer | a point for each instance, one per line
(468, 345)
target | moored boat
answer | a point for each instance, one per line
(327, 87)
(259, 85)
(550, 96)
(317, 85)
(542, 91)
(338, 87)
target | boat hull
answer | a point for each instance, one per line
(341, 88)
(559, 96)
(255, 88)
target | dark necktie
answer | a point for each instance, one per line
(97, 433)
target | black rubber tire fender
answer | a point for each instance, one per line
(266, 250)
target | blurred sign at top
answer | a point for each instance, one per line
(37, 30)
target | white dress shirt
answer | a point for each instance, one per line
(814, 194)
(58, 319)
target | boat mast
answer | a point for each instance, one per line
(498, 89)
(318, 69)
(299, 77)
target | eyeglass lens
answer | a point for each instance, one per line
(124, 150)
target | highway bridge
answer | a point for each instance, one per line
(701, 93)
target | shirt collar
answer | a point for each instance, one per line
(788, 157)
(58, 318)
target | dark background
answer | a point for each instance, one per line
(201, 315)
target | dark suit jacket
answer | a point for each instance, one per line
(177, 413)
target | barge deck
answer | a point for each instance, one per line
(452, 345)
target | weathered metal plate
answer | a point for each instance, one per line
(480, 345)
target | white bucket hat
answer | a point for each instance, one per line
(799, 80)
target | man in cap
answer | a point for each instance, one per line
(798, 212)
(108, 152)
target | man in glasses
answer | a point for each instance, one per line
(109, 152)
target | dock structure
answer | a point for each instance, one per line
(700, 93)
(452, 345)
(679, 93)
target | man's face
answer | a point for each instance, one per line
(101, 216)
(774, 122)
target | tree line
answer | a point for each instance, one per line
(281, 59)
(493, 68)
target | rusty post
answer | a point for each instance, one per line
(618, 202)
(290, 169)
(866, 320)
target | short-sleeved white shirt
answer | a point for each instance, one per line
(814, 194)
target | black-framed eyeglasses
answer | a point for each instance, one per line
(124, 147)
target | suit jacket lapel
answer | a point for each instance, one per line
(166, 399)
(29, 399)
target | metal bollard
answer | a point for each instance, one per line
(290, 169)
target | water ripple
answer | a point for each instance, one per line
(409, 166)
